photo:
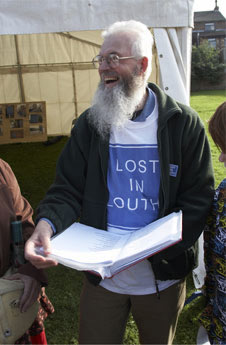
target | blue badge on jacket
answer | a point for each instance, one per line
(173, 170)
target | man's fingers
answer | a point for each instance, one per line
(40, 238)
(46, 244)
(40, 261)
(30, 252)
(45, 264)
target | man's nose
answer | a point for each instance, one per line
(104, 65)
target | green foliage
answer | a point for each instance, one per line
(206, 63)
(34, 167)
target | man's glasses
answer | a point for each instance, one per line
(112, 60)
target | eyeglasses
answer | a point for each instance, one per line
(112, 60)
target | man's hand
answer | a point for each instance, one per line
(40, 238)
(31, 291)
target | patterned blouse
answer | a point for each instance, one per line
(213, 317)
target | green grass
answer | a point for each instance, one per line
(34, 166)
(205, 103)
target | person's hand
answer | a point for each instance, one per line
(40, 238)
(31, 290)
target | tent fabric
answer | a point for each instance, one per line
(172, 46)
(46, 49)
(39, 16)
(55, 68)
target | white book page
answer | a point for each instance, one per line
(87, 245)
(153, 237)
(102, 270)
(85, 248)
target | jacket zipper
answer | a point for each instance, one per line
(157, 289)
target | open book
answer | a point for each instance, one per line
(104, 253)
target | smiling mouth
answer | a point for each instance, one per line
(110, 80)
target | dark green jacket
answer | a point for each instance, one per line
(80, 188)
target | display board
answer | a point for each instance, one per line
(23, 122)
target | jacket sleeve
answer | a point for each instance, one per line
(21, 205)
(193, 195)
(23, 208)
(63, 201)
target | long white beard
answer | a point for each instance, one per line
(115, 106)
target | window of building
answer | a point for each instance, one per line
(209, 27)
(212, 42)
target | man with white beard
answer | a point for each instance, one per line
(115, 106)
(135, 156)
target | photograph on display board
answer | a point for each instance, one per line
(16, 124)
(35, 107)
(35, 118)
(21, 110)
(16, 134)
(9, 112)
(36, 129)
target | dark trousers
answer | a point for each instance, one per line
(104, 314)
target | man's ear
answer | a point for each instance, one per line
(144, 64)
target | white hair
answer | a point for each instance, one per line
(141, 39)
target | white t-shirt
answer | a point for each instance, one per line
(133, 183)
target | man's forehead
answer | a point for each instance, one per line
(119, 43)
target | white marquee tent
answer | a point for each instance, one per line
(46, 48)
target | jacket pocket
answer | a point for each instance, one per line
(176, 268)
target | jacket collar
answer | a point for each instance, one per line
(167, 106)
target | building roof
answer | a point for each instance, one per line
(208, 16)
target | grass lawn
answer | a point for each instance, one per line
(34, 166)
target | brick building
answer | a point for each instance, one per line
(209, 26)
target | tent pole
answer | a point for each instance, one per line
(74, 88)
(20, 77)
